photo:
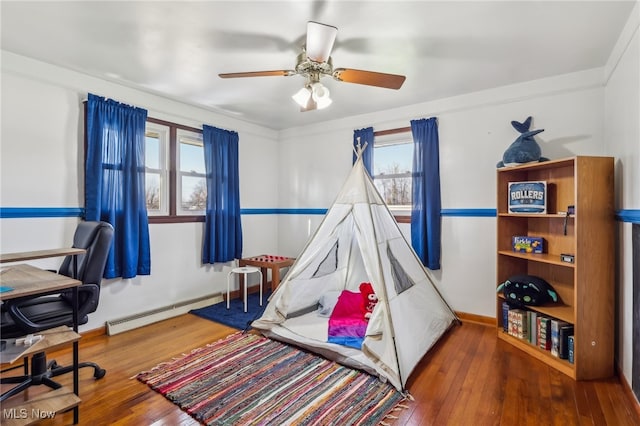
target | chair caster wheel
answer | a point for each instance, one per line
(99, 373)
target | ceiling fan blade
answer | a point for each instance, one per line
(320, 39)
(275, 73)
(370, 78)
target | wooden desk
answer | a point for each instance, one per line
(264, 262)
(28, 280)
(39, 254)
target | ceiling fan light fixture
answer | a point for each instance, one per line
(310, 106)
(320, 94)
(312, 96)
(323, 102)
(318, 91)
(302, 96)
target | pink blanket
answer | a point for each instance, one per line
(347, 325)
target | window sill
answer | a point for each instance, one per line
(176, 219)
(402, 218)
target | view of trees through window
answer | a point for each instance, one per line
(192, 173)
(153, 173)
(392, 164)
(197, 198)
(153, 192)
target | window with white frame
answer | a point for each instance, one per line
(392, 166)
(157, 169)
(192, 184)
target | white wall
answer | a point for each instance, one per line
(622, 133)
(474, 131)
(41, 166)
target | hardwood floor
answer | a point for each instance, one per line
(469, 377)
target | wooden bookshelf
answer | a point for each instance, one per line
(585, 287)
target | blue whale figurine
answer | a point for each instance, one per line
(525, 149)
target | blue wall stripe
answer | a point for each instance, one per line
(283, 211)
(26, 212)
(468, 212)
(632, 216)
(444, 212)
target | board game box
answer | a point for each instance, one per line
(528, 197)
(525, 244)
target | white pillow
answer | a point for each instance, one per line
(327, 302)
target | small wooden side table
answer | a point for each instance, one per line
(267, 261)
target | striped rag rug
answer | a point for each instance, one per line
(247, 379)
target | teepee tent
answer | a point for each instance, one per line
(359, 241)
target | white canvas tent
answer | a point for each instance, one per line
(359, 241)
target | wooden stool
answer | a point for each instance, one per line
(245, 270)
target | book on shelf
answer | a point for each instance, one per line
(544, 333)
(505, 316)
(555, 336)
(533, 335)
(570, 349)
(520, 320)
(513, 323)
(566, 331)
(523, 330)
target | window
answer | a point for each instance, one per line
(156, 169)
(175, 173)
(192, 184)
(392, 165)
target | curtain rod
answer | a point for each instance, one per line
(392, 131)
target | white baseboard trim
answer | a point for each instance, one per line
(145, 318)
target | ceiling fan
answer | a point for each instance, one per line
(315, 62)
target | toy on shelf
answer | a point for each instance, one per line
(522, 290)
(524, 149)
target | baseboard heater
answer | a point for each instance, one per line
(145, 318)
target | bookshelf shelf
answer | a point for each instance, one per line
(552, 258)
(536, 215)
(559, 311)
(586, 287)
(559, 364)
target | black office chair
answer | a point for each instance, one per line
(32, 315)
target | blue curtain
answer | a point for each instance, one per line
(425, 212)
(223, 230)
(365, 135)
(115, 183)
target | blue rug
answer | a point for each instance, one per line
(235, 316)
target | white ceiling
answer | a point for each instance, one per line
(177, 48)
